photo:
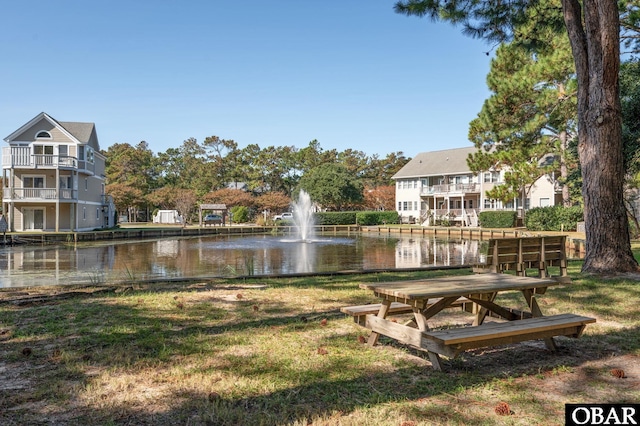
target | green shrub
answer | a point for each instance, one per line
(335, 218)
(377, 218)
(555, 218)
(497, 219)
(240, 214)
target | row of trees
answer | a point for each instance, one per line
(217, 171)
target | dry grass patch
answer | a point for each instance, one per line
(279, 352)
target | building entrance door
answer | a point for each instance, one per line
(33, 219)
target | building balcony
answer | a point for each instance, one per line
(23, 158)
(39, 194)
(454, 188)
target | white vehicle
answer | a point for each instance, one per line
(284, 216)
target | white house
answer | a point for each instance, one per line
(439, 184)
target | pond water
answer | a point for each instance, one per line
(215, 256)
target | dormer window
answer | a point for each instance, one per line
(43, 135)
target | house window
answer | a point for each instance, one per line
(33, 182)
(43, 149)
(97, 214)
(65, 187)
(490, 204)
(84, 213)
(43, 154)
(491, 177)
(399, 206)
(43, 134)
(65, 182)
(86, 184)
(405, 206)
(545, 202)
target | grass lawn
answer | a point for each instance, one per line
(279, 352)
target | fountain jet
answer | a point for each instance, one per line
(303, 216)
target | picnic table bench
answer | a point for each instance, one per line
(527, 253)
(360, 312)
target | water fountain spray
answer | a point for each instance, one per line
(303, 216)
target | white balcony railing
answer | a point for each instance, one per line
(456, 188)
(39, 194)
(21, 157)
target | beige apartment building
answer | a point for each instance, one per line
(54, 178)
(439, 184)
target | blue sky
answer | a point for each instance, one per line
(351, 74)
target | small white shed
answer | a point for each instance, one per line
(167, 216)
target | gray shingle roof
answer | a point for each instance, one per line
(80, 131)
(436, 163)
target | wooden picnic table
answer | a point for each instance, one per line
(428, 297)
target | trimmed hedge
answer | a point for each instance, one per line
(361, 218)
(335, 218)
(498, 219)
(377, 218)
(555, 218)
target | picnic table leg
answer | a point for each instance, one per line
(436, 362)
(419, 318)
(536, 312)
(482, 311)
(421, 323)
(382, 313)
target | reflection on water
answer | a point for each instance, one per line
(103, 263)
